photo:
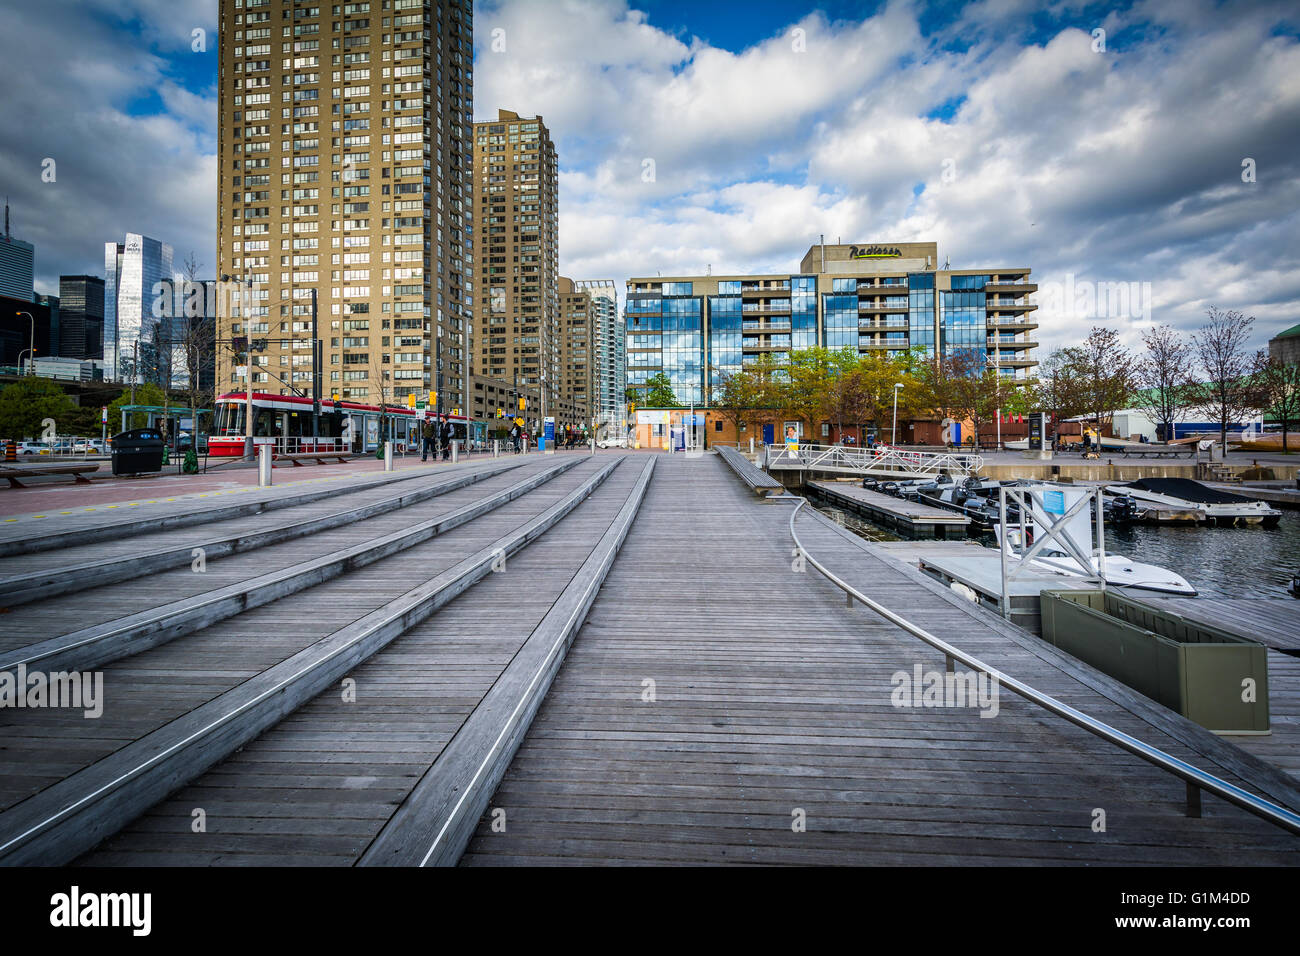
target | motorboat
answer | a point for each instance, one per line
(976, 498)
(1220, 507)
(1120, 571)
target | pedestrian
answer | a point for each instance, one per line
(445, 438)
(514, 437)
(430, 436)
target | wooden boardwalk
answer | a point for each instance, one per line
(717, 696)
(145, 692)
(319, 787)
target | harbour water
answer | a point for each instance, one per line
(1218, 562)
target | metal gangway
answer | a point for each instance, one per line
(884, 462)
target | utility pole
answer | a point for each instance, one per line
(135, 367)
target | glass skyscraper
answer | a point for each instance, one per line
(136, 273)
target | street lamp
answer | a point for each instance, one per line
(893, 431)
(33, 343)
(248, 366)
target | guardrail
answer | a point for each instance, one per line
(893, 460)
(1195, 778)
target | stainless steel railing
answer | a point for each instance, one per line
(1195, 778)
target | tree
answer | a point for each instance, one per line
(659, 391)
(197, 345)
(25, 404)
(1107, 371)
(804, 393)
(1164, 374)
(145, 394)
(1059, 390)
(847, 397)
(1227, 393)
(742, 395)
(1278, 387)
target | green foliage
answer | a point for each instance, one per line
(145, 394)
(659, 392)
(25, 404)
(191, 464)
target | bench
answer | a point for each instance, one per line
(758, 480)
(1159, 452)
(13, 472)
(342, 457)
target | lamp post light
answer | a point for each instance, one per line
(893, 431)
(31, 363)
(244, 284)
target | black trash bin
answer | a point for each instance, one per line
(137, 451)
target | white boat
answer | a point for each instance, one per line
(1120, 571)
(1220, 507)
(1047, 507)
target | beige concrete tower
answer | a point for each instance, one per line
(345, 153)
(516, 191)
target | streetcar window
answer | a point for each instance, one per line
(264, 422)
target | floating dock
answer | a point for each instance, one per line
(910, 518)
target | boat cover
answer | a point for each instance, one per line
(1188, 490)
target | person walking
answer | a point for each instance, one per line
(430, 436)
(514, 437)
(445, 438)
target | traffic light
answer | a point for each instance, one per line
(410, 400)
(523, 404)
(501, 413)
(631, 408)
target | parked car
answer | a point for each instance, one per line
(611, 442)
(33, 448)
(90, 446)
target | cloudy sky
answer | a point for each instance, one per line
(1155, 142)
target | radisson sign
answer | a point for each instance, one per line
(873, 252)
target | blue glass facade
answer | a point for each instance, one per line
(962, 322)
(674, 327)
(920, 310)
(803, 314)
(840, 320)
(724, 334)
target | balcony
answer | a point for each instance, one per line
(772, 325)
(1010, 306)
(1007, 322)
(1016, 288)
(766, 308)
(764, 288)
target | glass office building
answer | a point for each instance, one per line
(892, 298)
(133, 271)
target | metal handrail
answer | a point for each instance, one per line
(918, 463)
(1195, 778)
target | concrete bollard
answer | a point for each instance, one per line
(455, 451)
(751, 446)
(388, 456)
(264, 466)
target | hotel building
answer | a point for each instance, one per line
(345, 156)
(891, 297)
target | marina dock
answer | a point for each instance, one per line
(608, 658)
(910, 518)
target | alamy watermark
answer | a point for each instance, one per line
(919, 688)
(76, 690)
(1084, 299)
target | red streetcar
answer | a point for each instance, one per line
(284, 421)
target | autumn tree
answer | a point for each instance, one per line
(1165, 377)
(1107, 372)
(1226, 393)
(1278, 388)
